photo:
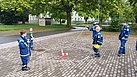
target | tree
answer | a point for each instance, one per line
(106, 9)
(66, 6)
(8, 17)
(58, 15)
(123, 10)
(133, 3)
(22, 7)
(96, 8)
(57, 5)
(87, 9)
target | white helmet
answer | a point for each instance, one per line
(96, 23)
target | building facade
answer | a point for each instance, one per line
(33, 19)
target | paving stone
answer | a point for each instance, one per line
(80, 62)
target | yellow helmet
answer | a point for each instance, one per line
(96, 46)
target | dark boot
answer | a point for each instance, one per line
(25, 68)
(32, 48)
(135, 71)
(97, 55)
(124, 52)
(118, 55)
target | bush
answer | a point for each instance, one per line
(111, 29)
(63, 21)
(115, 24)
(106, 28)
(8, 17)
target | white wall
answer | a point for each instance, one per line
(33, 19)
(76, 17)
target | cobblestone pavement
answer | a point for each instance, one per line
(79, 63)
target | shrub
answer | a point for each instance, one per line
(106, 28)
(8, 17)
(63, 21)
(110, 28)
(115, 24)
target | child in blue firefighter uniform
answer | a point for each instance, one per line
(31, 39)
(24, 50)
(93, 29)
(123, 37)
(97, 42)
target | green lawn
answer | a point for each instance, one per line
(27, 26)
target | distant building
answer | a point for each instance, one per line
(76, 17)
(33, 19)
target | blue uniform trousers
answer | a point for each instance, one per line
(31, 44)
(25, 60)
(30, 52)
(136, 45)
(97, 52)
(122, 47)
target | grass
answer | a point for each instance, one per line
(27, 26)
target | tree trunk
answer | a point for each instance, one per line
(60, 21)
(23, 20)
(68, 19)
(136, 19)
(100, 21)
(86, 19)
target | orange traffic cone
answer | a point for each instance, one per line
(63, 54)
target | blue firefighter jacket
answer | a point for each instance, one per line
(124, 32)
(94, 30)
(23, 45)
(98, 39)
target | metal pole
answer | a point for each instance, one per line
(98, 10)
